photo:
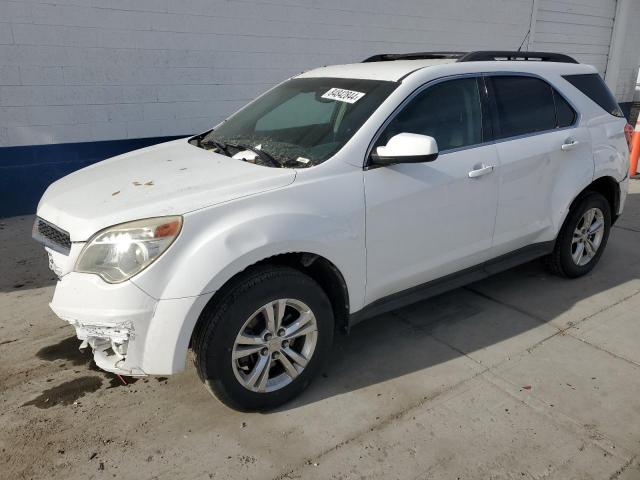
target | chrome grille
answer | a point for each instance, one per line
(51, 236)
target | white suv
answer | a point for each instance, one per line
(340, 194)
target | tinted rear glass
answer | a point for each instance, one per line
(592, 85)
(524, 105)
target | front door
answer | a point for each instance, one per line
(428, 220)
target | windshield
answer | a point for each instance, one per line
(300, 123)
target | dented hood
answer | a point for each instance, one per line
(168, 179)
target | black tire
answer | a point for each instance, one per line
(224, 317)
(560, 261)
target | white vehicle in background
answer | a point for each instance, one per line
(340, 194)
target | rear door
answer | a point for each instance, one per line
(544, 156)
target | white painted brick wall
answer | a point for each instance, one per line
(581, 28)
(84, 70)
(625, 89)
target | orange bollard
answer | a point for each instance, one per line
(635, 150)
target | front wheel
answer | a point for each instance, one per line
(582, 238)
(264, 338)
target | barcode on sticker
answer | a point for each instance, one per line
(342, 95)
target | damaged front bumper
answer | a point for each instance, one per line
(109, 344)
(130, 332)
(111, 319)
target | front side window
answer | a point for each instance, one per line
(524, 105)
(449, 111)
(300, 123)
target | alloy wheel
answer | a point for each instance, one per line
(274, 345)
(587, 236)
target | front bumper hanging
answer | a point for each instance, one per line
(109, 344)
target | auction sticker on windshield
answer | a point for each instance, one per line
(342, 95)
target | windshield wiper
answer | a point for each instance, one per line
(216, 143)
(261, 153)
(223, 147)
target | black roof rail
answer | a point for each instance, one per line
(491, 55)
(386, 57)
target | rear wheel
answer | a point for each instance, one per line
(264, 339)
(582, 238)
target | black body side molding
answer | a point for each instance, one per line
(452, 281)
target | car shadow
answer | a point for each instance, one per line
(23, 261)
(473, 321)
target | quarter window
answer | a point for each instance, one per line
(449, 111)
(565, 113)
(524, 105)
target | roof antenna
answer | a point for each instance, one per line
(523, 40)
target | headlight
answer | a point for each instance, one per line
(117, 253)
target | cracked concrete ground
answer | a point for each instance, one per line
(523, 375)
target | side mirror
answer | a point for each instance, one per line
(406, 148)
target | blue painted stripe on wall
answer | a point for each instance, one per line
(27, 171)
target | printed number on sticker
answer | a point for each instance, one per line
(342, 95)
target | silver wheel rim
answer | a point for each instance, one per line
(587, 237)
(274, 345)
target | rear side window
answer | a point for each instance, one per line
(592, 85)
(524, 105)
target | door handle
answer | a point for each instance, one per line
(484, 170)
(569, 145)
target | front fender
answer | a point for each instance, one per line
(326, 219)
(218, 242)
(199, 269)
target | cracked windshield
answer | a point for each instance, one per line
(298, 124)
